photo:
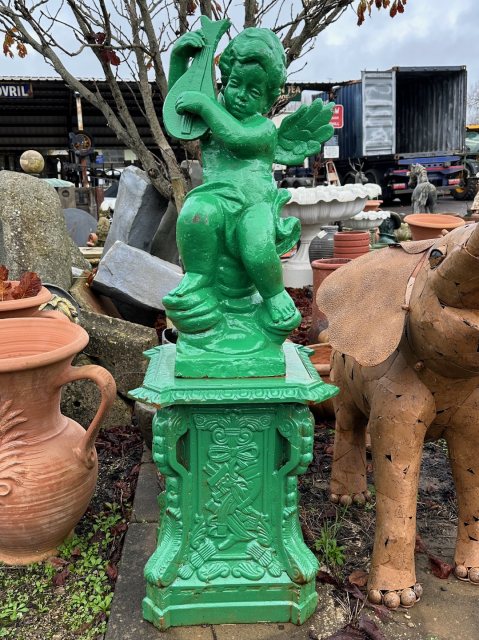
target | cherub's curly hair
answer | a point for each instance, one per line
(263, 47)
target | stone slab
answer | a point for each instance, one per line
(135, 277)
(145, 507)
(139, 208)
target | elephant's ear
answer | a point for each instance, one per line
(364, 301)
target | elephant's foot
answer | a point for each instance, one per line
(467, 574)
(405, 598)
(347, 499)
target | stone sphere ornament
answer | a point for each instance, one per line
(392, 600)
(408, 598)
(32, 162)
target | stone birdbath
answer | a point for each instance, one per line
(315, 207)
(367, 221)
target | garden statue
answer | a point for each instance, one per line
(388, 228)
(424, 196)
(233, 431)
(230, 234)
(410, 372)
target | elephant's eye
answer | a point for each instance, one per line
(435, 258)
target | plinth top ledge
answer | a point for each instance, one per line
(300, 384)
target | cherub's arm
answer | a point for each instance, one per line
(184, 49)
(254, 135)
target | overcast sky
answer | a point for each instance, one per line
(428, 33)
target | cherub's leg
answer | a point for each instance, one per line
(463, 442)
(256, 238)
(199, 229)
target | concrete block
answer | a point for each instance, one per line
(135, 277)
(118, 346)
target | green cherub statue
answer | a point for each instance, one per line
(231, 308)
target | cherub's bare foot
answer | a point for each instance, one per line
(190, 284)
(405, 598)
(280, 307)
(468, 574)
(346, 499)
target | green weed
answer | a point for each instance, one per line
(329, 551)
(76, 589)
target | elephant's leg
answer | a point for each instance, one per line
(402, 409)
(463, 442)
(348, 477)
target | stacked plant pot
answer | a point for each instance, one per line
(351, 244)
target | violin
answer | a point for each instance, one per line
(198, 77)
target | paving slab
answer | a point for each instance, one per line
(145, 508)
(448, 609)
(126, 621)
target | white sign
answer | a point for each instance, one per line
(331, 151)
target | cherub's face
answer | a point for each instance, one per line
(246, 92)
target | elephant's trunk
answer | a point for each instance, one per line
(456, 280)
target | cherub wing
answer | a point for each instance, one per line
(302, 133)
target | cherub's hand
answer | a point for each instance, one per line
(189, 43)
(192, 101)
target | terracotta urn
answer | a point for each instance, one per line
(431, 225)
(23, 307)
(48, 462)
(321, 270)
(351, 244)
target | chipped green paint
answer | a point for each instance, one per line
(231, 308)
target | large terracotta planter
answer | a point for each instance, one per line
(430, 225)
(351, 244)
(24, 307)
(48, 463)
(321, 270)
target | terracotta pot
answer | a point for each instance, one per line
(321, 358)
(48, 463)
(24, 307)
(372, 205)
(351, 244)
(321, 270)
(430, 225)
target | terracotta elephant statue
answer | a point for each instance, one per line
(404, 324)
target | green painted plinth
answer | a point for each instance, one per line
(230, 547)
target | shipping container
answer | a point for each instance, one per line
(400, 116)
